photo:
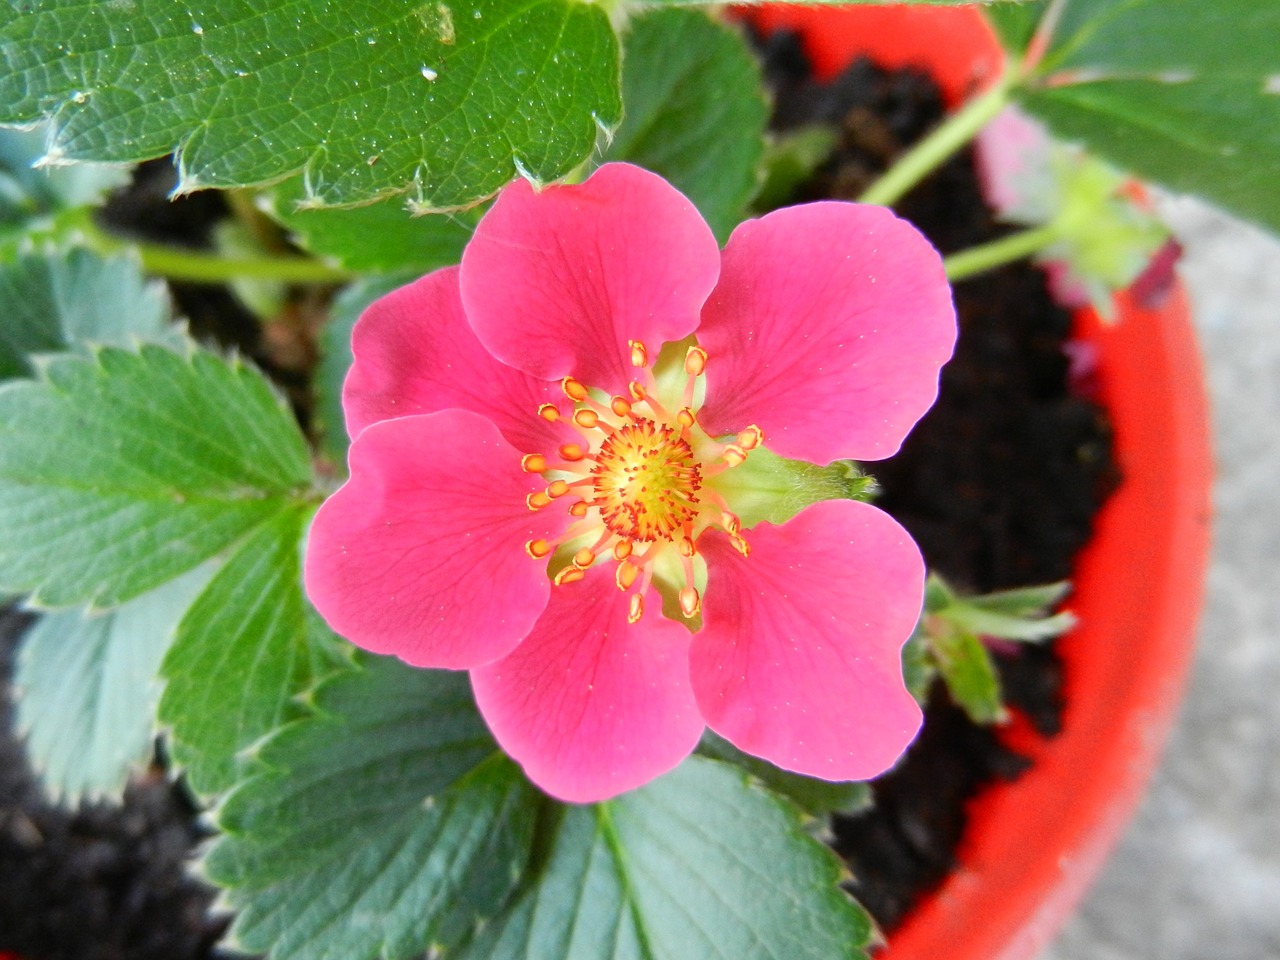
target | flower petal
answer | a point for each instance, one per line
(421, 553)
(827, 330)
(591, 705)
(556, 282)
(799, 658)
(415, 353)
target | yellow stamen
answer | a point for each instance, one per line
(639, 353)
(569, 574)
(549, 411)
(572, 452)
(538, 549)
(626, 574)
(695, 361)
(537, 500)
(584, 558)
(690, 602)
(751, 437)
(573, 389)
(533, 463)
(635, 608)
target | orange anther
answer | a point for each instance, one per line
(751, 437)
(740, 544)
(579, 509)
(626, 575)
(635, 609)
(586, 418)
(549, 411)
(569, 575)
(538, 549)
(572, 452)
(533, 463)
(639, 353)
(537, 500)
(690, 602)
(686, 417)
(584, 558)
(621, 406)
(637, 391)
(686, 547)
(730, 522)
(695, 361)
(573, 389)
(734, 455)
(622, 549)
(557, 488)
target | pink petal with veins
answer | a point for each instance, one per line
(591, 705)
(421, 553)
(827, 330)
(799, 658)
(415, 353)
(557, 281)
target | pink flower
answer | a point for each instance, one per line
(546, 464)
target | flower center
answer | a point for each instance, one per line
(646, 481)
(635, 484)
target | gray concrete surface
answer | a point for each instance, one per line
(1197, 875)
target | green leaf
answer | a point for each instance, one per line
(948, 640)
(88, 689)
(442, 102)
(1022, 601)
(54, 301)
(1018, 614)
(241, 656)
(28, 191)
(1181, 92)
(336, 359)
(815, 797)
(919, 669)
(818, 3)
(700, 864)
(969, 672)
(121, 471)
(695, 111)
(378, 238)
(790, 159)
(1014, 614)
(385, 823)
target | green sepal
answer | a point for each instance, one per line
(767, 487)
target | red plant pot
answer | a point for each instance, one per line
(1032, 846)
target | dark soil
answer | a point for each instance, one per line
(105, 882)
(997, 484)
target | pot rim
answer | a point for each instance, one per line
(1032, 846)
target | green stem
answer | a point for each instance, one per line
(954, 132)
(997, 253)
(175, 263)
